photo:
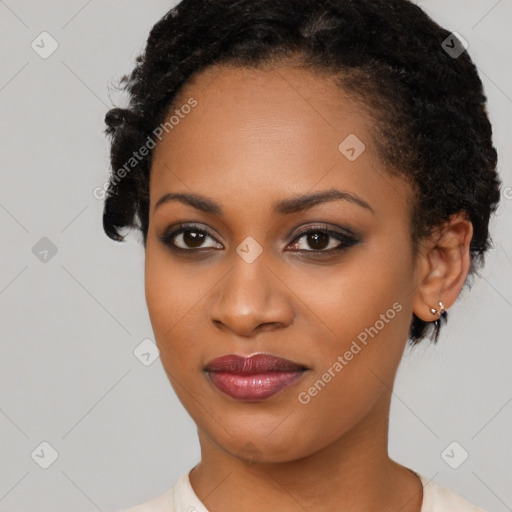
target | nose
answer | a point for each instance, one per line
(250, 299)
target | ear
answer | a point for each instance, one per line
(442, 266)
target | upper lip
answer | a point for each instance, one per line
(254, 364)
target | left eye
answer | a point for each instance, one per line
(318, 239)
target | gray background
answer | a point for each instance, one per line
(69, 326)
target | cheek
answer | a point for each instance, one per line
(362, 301)
(169, 287)
(365, 315)
(367, 291)
(170, 303)
(173, 303)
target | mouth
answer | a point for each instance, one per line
(253, 378)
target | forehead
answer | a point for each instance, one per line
(261, 135)
(281, 105)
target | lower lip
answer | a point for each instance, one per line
(255, 387)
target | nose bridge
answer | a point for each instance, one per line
(250, 294)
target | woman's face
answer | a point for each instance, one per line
(254, 283)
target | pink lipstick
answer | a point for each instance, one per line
(252, 378)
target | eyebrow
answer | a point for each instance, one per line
(283, 207)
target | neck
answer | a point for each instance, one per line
(353, 473)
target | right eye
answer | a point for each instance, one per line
(188, 238)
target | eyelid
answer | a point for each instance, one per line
(322, 226)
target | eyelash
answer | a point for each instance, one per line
(346, 240)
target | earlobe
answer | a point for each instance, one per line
(443, 268)
(428, 303)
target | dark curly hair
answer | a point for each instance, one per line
(431, 124)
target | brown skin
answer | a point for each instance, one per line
(256, 137)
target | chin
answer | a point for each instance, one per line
(262, 448)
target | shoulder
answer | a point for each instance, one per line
(437, 498)
(178, 499)
(162, 503)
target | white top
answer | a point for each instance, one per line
(182, 498)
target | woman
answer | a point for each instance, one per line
(313, 181)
